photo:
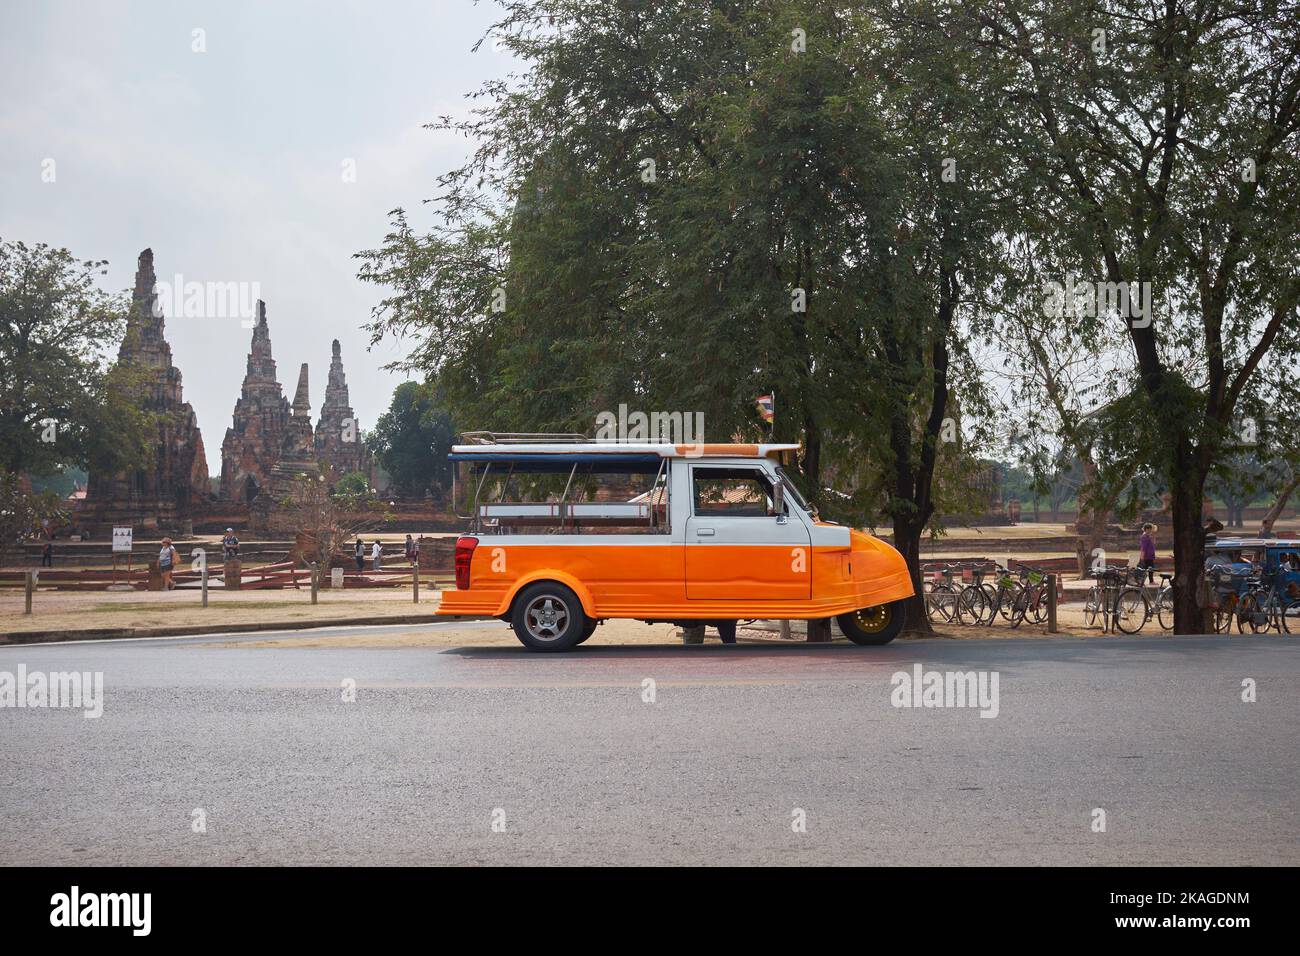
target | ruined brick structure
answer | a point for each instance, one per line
(297, 457)
(338, 434)
(261, 420)
(167, 494)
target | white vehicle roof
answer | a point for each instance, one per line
(496, 451)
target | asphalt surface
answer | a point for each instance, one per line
(573, 766)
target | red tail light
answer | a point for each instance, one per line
(464, 554)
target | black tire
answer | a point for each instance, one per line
(1126, 608)
(972, 604)
(547, 616)
(1165, 611)
(589, 630)
(866, 627)
(1290, 618)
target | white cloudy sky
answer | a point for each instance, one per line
(228, 163)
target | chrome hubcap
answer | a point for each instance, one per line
(546, 618)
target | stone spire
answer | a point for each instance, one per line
(336, 388)
(338, 433)
(165, 495)
(252, 444)
(301, 400)
(297, 459)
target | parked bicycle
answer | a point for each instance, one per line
(1121, 604)
(1263, 608)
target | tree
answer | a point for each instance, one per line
(58, 402)
(327, 518)
(23, 512)
(1158, 144)
(681, 206)
(413, 438)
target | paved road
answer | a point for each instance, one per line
(568, 756)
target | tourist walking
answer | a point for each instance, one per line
(375, 554)
(410, 550)
(1147, 551)
(47, 555)
(361, 555)
(167, 563)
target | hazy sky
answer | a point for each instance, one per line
(230, 162)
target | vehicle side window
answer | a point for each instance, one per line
(731, 492)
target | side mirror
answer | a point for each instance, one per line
(778, 499)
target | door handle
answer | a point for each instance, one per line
(704, 532)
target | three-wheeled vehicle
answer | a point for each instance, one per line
(1256, 582)
(568, 533)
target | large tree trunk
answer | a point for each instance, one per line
(907, 540)
(1186, 501)
(1275, 512)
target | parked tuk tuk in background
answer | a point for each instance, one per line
(1256, 584)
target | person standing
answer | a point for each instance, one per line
(375, 554)
(410, 550)
(230, 545)
(361, 555)
(167, 563)
(1147, 551)
(47, 554)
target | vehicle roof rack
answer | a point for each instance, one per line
(521, 438)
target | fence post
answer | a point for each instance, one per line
(415, 582)
(315, 582)
(200, 556)
(1051, 604)
(29, 585)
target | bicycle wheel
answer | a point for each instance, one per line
(1165, 610)
(1131, 610)
(1038, 604)
(1021, 607)
(1289, 618)
(1092, 607)
(972, 604)
(1225, 614)
(1252, 613)
(1007, 599)
(940, 603)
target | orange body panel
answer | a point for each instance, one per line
(649, 580)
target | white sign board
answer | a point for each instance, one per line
(122, 540)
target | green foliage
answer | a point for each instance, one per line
(59, 404)
(413, 438)
(24, 513)
(564, 275)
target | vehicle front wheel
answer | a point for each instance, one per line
(873, 625)
(547, 616)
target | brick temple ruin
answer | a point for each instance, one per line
(269, 443)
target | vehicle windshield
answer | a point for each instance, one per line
(790, 489)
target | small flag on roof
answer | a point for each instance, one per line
(766, 407)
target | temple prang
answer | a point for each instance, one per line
(339, 447)
(169, 493)
(261, 418)
(271, 442)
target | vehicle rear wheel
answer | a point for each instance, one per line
(547, 616)
(589, 630)
(872, 626)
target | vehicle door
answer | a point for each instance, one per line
(737, 546)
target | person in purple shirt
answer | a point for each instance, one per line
(1147, 551)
